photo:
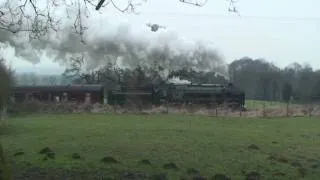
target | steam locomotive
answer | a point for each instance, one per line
(209, 94)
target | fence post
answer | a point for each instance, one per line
(115, 105)
(310, 109)
(216, 111)
(167, 106)
(287, 109)
(264, 109)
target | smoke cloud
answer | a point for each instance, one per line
(121, 46)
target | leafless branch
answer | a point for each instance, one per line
(130, 6)
(78, 24)
(194, 3)
(232, 7)
(28, 16)
(100, 4)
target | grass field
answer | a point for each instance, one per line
(258, 104)
(274, 148)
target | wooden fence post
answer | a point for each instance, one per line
(287, 109)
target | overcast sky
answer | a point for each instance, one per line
(281, 32)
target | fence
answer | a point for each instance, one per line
(253, 108)
(292, 108)
(257, 107)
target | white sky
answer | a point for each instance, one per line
(281, 32)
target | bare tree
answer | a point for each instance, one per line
(38, 18)
(5, 90)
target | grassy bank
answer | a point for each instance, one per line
(274, 148)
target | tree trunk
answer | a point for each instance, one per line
(3, 113)
(4, 166)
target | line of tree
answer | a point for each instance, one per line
(263, 80)
(258, 78)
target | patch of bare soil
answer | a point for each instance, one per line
(145, 162)
(253, 176)
(296, 164)
(278, 158)
(39, 173)
(278, 174)
(134, 176)
(160, 176)
(312, 160)
(109, 160)
(220, 177)
(20, 153)
(45, 150)
(172, 166)
(199, 177)
(36, 173)
(315, 166)
(302, 172)
(253, 146)
(192, 171)
(76, 156)
(49, 154)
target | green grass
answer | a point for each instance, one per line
(207, 144)
(258, 104)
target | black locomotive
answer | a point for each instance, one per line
(216, 94)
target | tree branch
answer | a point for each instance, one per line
(232, 7)
(40, 21)
(100, 4)
(194, 3)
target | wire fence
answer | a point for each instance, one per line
(293, 108)
(252, 108)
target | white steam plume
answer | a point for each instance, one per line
(128, 48)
